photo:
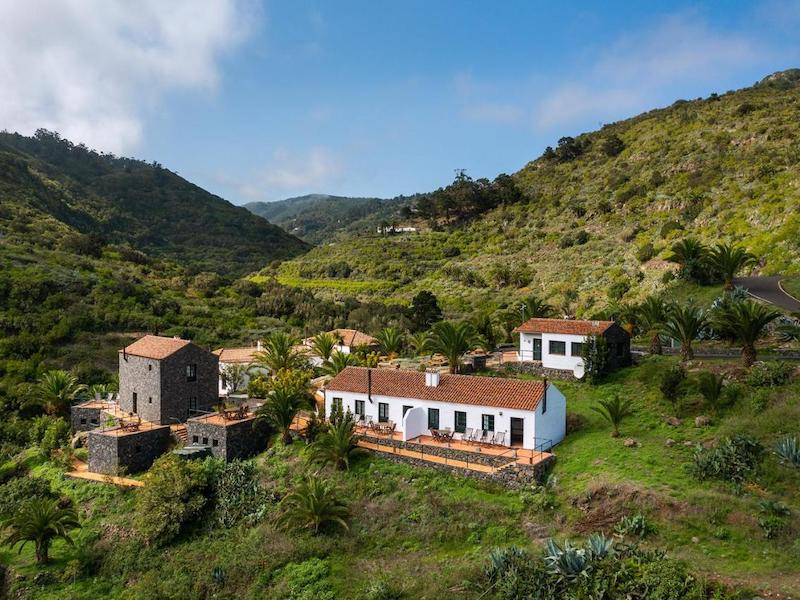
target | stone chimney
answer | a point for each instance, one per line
(431, 377)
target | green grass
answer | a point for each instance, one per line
(343, 285)
(791, 286)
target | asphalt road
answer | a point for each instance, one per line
(767, 288)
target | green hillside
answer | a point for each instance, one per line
(316, 218)
(590, 222)
(128, 201)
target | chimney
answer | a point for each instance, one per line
(431, 377)
(259, 347)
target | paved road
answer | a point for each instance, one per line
(767, 288)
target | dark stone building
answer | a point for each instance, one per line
(113, 450)
(228, 438)
(166, 380)
(86, 416)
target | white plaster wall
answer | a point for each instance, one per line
(415, 423)
(526, 346)
(551, 361)
(502, 416)
(552, 424)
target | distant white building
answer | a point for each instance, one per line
(558, 343)
(244, 356)
(347, 341)
(530, 414)
(396, 229)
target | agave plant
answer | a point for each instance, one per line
(501, 560)
(788, 450)
(567, 561)
(599, 546)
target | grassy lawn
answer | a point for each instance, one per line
(792, 286)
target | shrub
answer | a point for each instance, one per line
(774, 518)
(637, 525)
(612, 145)
(673, 385)
(734, 460)
(451, 251)
(19, 490)
(763, 374)
(645, 252)
(55, 436)
(237, 495)
(308, 580)
(595, 358)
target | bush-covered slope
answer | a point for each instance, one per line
(144, 205)
(318, 217)
(596, 216)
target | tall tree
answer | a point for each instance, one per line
(745, 321)
(391, 340)
(289, 395)
(535, 307)
(323, 344)
(727, 260)
(692, 257)
(337, 444)
(338, 362)
(41, 520)
(57, 390)
(685, 323)
(453, 340)
(234, 374)
(486, 331)
(281, 351)
(424, 310)
(652, 315)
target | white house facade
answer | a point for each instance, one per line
(244, 357)
(530, 414)
(558, 343)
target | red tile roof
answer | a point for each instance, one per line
(155, 346)
(237, 355)
(566, 326)
(460, 389)
(353, 337)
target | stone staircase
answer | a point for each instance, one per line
(179, 433)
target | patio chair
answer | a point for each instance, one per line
(485, 433)
(499, 438)
(467, 435)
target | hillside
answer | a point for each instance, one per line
(317, 218)
(590, 222)
(144, 205)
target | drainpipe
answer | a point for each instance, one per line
(369, 386)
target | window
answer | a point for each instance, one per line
(195, 439)
(460, 421)
(558, 347)
(149, 399)
(406, 409)
(137, 448)
(83, 420)
(336, 405)
(205, 441)
(191, 372)
(149, 367)
(95, 421)
(433, 418)
(224, 380)
(359, 407)
(487, 422)
(383, 412)
(193, 403)
(576, 349)
(215, 443)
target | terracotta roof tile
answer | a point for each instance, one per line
(462, 389)
(353, 337)
(566, 326)
(155, 346)
(237, 355)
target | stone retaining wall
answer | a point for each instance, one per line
(84, 418)
(490, 460)
(133, 452)
(723, 353)
(231, 441)
(535, 368)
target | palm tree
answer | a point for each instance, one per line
(614, 411)
(711, 387)
(57, 390)
(338, 362)
(692, 256)
(727, 260)
(280, 352)
(745, 322)
(281, 408)
(41, 521)
(685, 323)
(419, 342)
(314, 505)
(486, 330)
(533, 307)
(453, 340)
(391, 340)
(652, 315)
(337, 444)
(323, 345)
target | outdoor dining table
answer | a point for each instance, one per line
(444, 435)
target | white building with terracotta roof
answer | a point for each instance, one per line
(558, 343)
(243, 356)
(512, 412)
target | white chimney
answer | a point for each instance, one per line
(259, 347)
(431, 377)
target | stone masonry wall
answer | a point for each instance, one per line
(141, 376)
(133, 452)
(177, 391)
(84, 418)
(536, 368)
(236, 441)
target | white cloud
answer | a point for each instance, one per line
(92, 69)
(493, 112)
(286, 174)
(635, 71)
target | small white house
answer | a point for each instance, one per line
(244, 357)
(347, 341)
(558, 343)
(532, 414)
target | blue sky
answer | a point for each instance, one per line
(261, 101)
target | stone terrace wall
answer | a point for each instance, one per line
(133, 452)
(535, 368)
(235, 441)
(84, 418)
